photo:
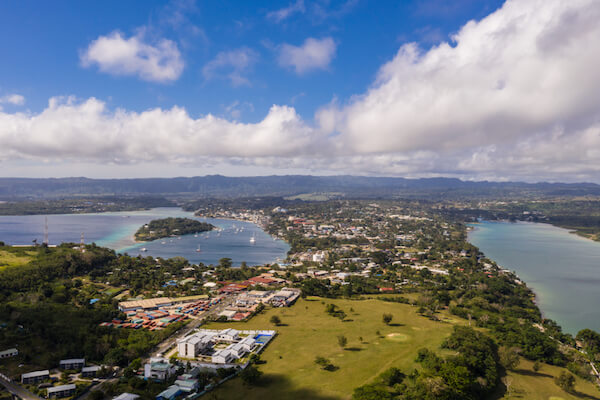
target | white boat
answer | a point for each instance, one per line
(163, 242)
(143, 249)
(198, 250)
(252, 239)
(196, 235)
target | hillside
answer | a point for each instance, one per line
(289, 185)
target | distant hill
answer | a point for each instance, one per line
(289, 185)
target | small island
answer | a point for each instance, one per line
(165, 227)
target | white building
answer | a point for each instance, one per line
(9, 353)
(191, 346)
(223, 357)
(126, 396)
(228, 335)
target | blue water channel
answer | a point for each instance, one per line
(116, 230)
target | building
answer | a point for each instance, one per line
(147, 304)
(35, 377)
(228, 335)
(191, 346)
(90, 372)
(224, 356)
(170, 394)
(158, 369)
(126, 396)
(61, 391)
(9, 353)
(73, 363)
(187, 385)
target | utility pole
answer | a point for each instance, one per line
(46, 231)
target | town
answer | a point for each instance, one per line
(175, 330)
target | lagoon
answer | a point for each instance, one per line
(563, 269)
(116, 230)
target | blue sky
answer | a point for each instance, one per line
(45, 60)
(298, 86)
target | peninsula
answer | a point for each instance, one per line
(165, 227)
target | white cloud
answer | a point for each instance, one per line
(232, 65)
(82, 131)
(117, 55)
(514, 96)
(286, 12)
(312, 54)
(14, 99)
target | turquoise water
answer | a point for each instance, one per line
(116, 230)
(562, 268)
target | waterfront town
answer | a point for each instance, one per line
(183, 330)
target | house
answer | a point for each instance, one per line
(158, 369)
(35, 377)
(9, 353)
(170, 394)
(187, 385)
(126, 396)
(90, 372)
(61, 391)
(223, 357)
(73, 363)
(229, 314)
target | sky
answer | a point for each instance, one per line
(474, 89)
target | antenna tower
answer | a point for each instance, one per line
(82, 244)
(46, 231)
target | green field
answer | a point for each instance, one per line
(15, 257)
(308, 331)
(527, 384)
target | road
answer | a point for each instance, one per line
(163, 347)
(18, 390)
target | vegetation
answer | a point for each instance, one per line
(165, 227)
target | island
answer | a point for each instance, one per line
(165, 227)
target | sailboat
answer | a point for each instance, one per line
(198, 249)
(252, 239)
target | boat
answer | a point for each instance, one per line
(198, 249)
(143, 249)
(253, 239)
(196, 235)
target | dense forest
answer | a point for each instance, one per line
(165, 227)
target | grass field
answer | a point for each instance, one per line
(528, 384)
(308, 331)
(15, 257)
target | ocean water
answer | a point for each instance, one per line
(116, 230)
(562, 268)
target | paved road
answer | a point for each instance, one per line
(18, 390)
(170, 342)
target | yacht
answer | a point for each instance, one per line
(143, 249)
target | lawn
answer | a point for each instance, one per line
(307, 331)
(15, 257)
(528, 384)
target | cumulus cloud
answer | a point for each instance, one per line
(286, 12)
(115, 54)
(312, 54)
(515, 95)
(87, 130)
(232, 65)
(14, 99)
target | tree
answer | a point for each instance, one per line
(250, 375)
(342, 341)
(275, 320)
(509, 357)
(565, 381)
(387, 318)
(537, 366)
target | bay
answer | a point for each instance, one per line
(116, 229)
(563, 269)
